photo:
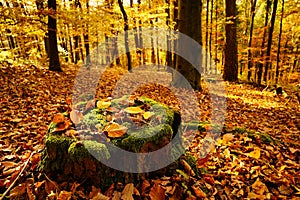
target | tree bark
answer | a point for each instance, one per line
(86, 38)
(250, 62)
(279, 41)
(54, 64)
(270, 37)
(190, 25)
(230, 50)
(260, 65)
(126, 27)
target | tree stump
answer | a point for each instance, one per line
(81, 143)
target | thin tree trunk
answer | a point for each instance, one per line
(54, 64)
(253, 8)
(269, 46)
(279, 41)
(216, 34)
(86, 38)
(168, 53)
(206, 37)
(210, 36)
(260, 64)
(126, 34)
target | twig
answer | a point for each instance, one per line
(14, 182)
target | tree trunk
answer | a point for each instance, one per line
(206, 38)
(230, 50)
(126, 34)
(279, 41)
(270, 37)
(190, 25)
(253, 7)
(260, 65)
(54, 64)
(216, 35)
(210, 37)
(86, 39)
(168, 20)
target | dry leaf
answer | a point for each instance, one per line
(127, 192)
(144, 187)
(199, 193)
(58, 119)
(18, 190)
(103, 104)
(64, 195)
(76, 116)
(30, 194)
(157, 192)
(187, 167)
(116, 195)
(133, 110)
(255, 153)
(148, 115)
(115, 130)
(227, 138)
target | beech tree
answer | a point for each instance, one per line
(190, 25)
(230, 50)
(54, 64)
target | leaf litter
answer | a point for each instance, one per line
(258, 161)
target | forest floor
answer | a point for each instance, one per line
(243, 165)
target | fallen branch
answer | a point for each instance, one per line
(19, 175)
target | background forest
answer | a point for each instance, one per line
(53, 52)
(267, 33)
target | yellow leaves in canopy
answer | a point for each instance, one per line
(103, 104)
(133, 110)
(115, 130)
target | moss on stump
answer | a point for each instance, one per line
(138, 125)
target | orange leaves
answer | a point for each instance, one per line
(157, 192)
(115, 130)
(58, 119)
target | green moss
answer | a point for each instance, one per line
(93, 118)
(151, 102)
(80, 105)
(264, 137)
(81, 151)
(163, 111)
(240, 130)
(193, 125)
(53, 155)
(136, 140)
(51, 128)
(191, 160)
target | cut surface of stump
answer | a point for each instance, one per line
(82, 143)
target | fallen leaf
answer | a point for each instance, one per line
(157, 192)
(58, 119)
(64, 195)
(103, 104)
(115, 130)
(148, 115)
(133, 110)
(199, 193)
(128, 191)
(76, 116)
(255, 153)
(18, 191)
